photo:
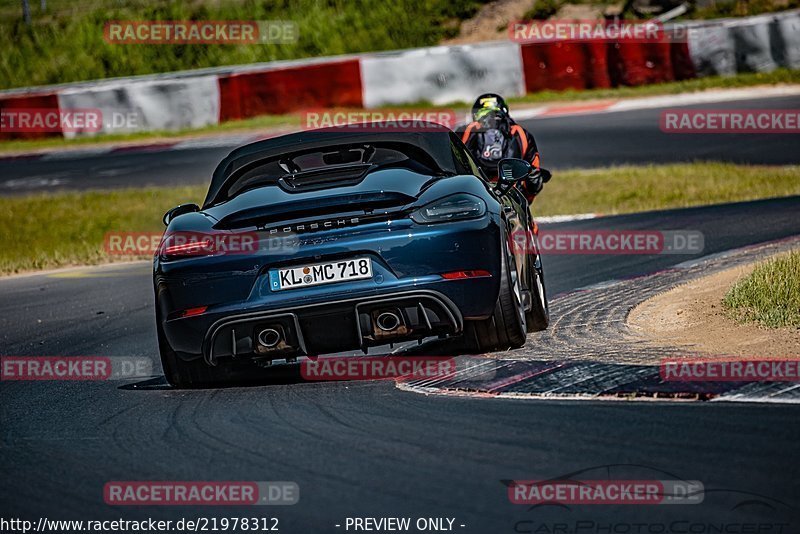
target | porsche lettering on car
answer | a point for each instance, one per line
(365, 239)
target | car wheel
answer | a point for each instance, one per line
(197, 373)
(538, 318)
(180, 373)
(506, 328)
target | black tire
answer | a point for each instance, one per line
(505, 328)
(192, 374)
(181, 373)
(538, 317)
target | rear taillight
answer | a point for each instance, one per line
(177, 246)
(462, 275)
(191, 312)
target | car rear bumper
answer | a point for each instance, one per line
(334, 326)
(408, 263)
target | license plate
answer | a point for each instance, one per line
(320, 273)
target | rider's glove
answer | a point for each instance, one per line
(534, 182)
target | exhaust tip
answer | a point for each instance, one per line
(269, 337)
(388, 321)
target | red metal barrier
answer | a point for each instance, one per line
(557, 65)
(597, 65)
(561, 65)
(639, 63)
(41, 101)
(329, 84)
(682, 65)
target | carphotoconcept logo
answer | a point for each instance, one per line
(576, 502)
(628, 492)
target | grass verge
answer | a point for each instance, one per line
(629, 189)
(53, 230)
(271, 122)
(770, 295)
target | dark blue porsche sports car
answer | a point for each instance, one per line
(337, 240)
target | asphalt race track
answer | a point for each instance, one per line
(565, 142)
(367, 449)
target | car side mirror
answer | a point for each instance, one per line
(512, 170)
(179, 210)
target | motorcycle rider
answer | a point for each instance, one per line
(493, 135)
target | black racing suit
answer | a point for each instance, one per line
(489, 146)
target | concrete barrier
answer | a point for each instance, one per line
(752, 45)
(786, 29)
(147, 106)
(442, 74)
(711, 49)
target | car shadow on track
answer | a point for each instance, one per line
(292, 373)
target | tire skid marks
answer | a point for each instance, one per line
(589, 352)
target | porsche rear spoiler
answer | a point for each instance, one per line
(434, 146)
(260, 216)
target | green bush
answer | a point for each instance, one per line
(741, 8)
(542, 10)
(66, 43)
